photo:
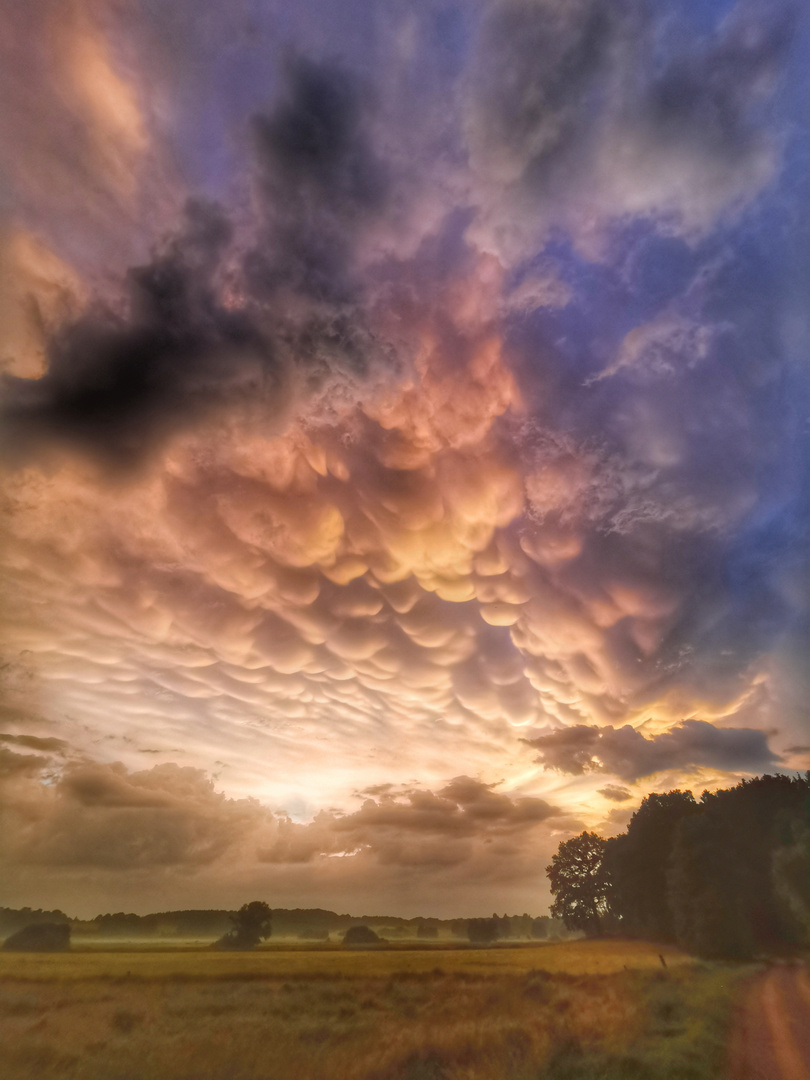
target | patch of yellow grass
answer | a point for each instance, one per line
(568, 1009)
(571, 957)
(453, 1027)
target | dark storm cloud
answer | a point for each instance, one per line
(323, 185)
(626, 753)
(315, 142)
(615, 793)
(118, 386)
(704, 98)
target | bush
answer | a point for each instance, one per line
(361, 935)
(40, 937)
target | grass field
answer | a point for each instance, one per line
(160, 962)
(569, 1011)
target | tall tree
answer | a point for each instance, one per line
(637, 864)
(751, 817)
(579, 883)
(726, 876)
(251, 924)
(791, 874)
(707, 891)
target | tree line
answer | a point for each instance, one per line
(726, 875)
(316, 924)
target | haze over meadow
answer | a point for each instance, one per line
(404, 439)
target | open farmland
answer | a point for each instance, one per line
(577, 1009)
(158, 961)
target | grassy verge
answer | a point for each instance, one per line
(683, 1021)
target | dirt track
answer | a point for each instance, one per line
(771, 1040)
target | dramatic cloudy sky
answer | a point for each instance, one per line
(405, 423)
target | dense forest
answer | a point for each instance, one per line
(726, 875)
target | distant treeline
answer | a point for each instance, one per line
(727, 875)
(305, 923)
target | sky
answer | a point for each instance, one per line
(404, 439)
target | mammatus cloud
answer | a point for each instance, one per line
(628, 754)
(459, 403)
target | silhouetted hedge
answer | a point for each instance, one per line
(40, 937)
(361, 935)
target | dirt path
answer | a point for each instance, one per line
(771, 1040)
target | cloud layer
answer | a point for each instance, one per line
(378, 420)
(120, 829)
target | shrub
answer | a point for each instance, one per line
(40, 937)
(361, 935)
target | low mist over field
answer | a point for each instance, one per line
(309, 926)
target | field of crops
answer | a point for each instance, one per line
(537, 1012)
(159, 962)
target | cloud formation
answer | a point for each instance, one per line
(108, 824)
(450, 397)
(628, 754)
(576, 115)
(615, 793)
(210, 328)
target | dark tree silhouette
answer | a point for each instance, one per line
(751, 817)
(727, 876)
(791, 872)
(251, 924)
(579, 883)
(361, 935)
(724, 888)
(707, 891)
(40, 937)
(637, 864)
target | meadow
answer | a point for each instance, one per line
(595, 1009)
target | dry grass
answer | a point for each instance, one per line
(573, 957)
(492, 1019)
